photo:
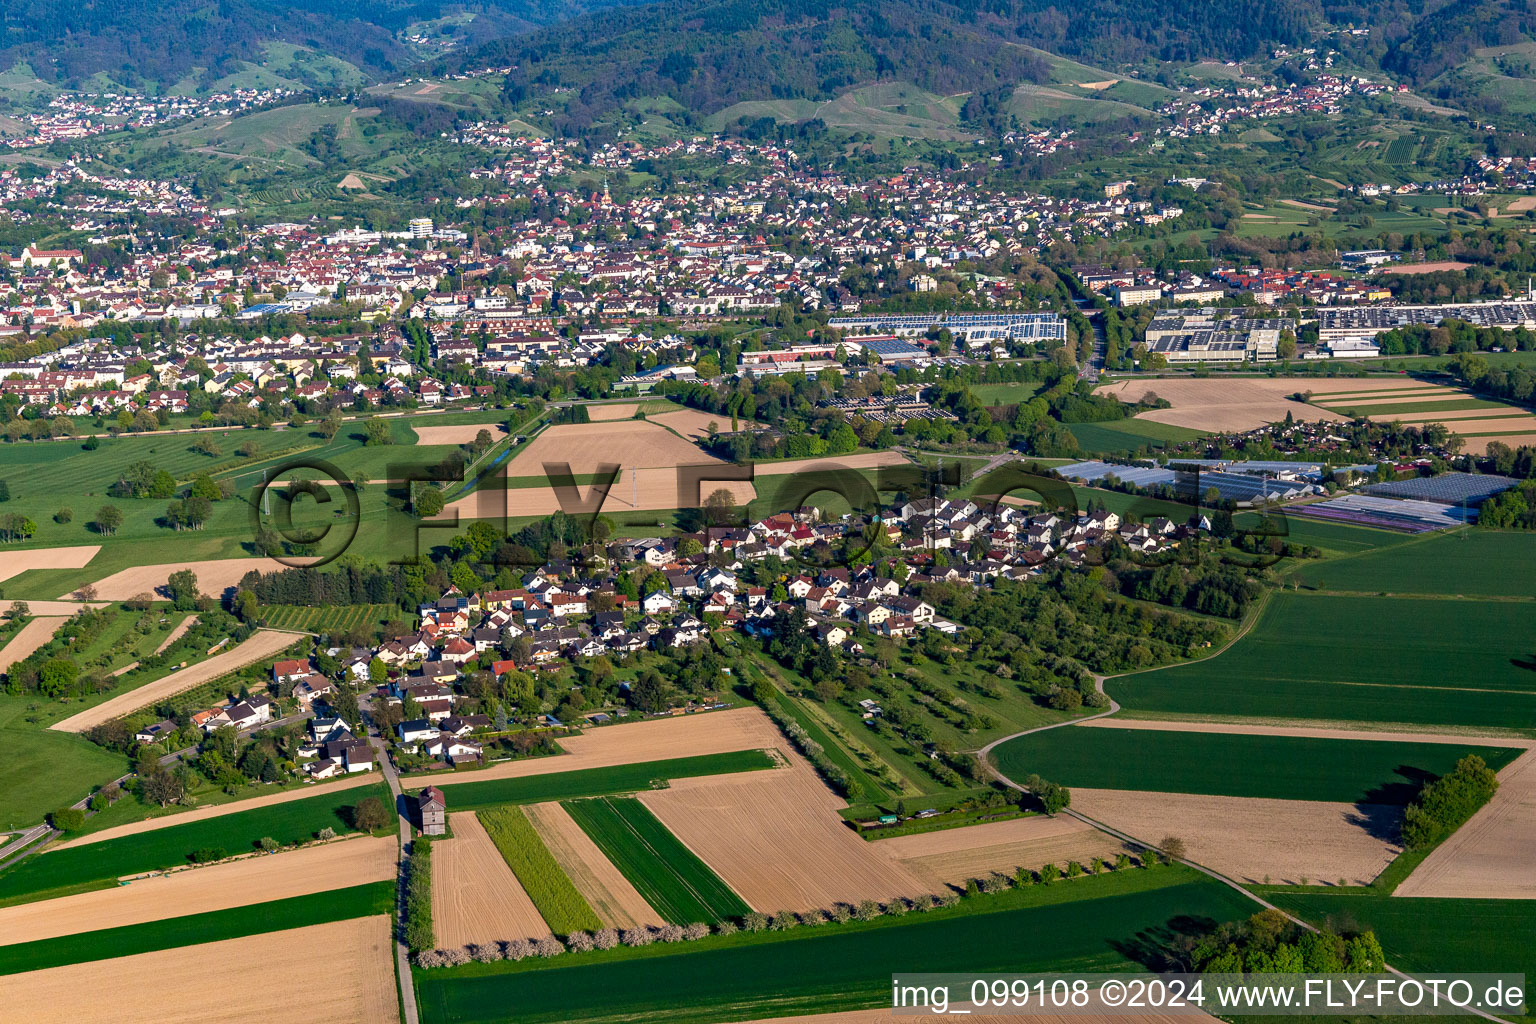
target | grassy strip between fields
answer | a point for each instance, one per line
(1115, 921)
(195, 929)
(557, 900)
(606, 781)
(673, 880)
(97, 865)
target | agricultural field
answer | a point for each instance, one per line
(1099, 923)
(558, 902)
(1466, 563)
(271, 913)
(728, 731)
(1127, 435)
(1275, 767)
(1489, 856)
(603, 886)
(1477, 420)
(590, 782)
(170, 986)
(673, 880)
(475, 895)
(955, 856)
(1237, 403)
(75, 764)
(887, 109)
(1258, 840)
(330, 619)
(1431, 934)
(236, 883)
(777, 840)
(97, 865)
(1371, 661)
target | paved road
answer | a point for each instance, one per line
(402, 951)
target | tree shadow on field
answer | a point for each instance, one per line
(1529, 664)
(1161, 948)
(1413, 780)
(1379, 821)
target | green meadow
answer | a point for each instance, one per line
(1113, 922)
(1229, 764)
(56, 872)
(674, 881)
(1360, 659)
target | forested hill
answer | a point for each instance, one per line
(138, 42)
(709, 54)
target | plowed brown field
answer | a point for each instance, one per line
(776, 838)
(38, 631)
(1254, 840)
(1489, 857)
(957, 855)
(17, 562)
(214, 576)
(475, 896)
(181, 986)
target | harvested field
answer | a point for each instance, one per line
(658, 739)
(1418, 398)
(1314, 732)
(264, 643)
(171, 986)
(214, 577)
(18, 562)
(29, 638)
(1254, 840)
(608, 412)
(601, 884)
(475, 896)
(238, 883)
(695, 424)
(648, 455)
(957, 855)
(1490, 856)
(176, 633)
(778, 841)
(217, 811)
(1300, 205)
(64, 608)
(458, 433)
(1212, 404)
(1457, 418)
(1424, 268)
(1483, 427)
(1480, 443)
(862, 460)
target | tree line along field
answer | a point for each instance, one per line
(193, 929)
(98, 865)
(1354, 658)
(593, 782)
(673, 880)
(547, 885)
(1233, 764)
(1110, 922)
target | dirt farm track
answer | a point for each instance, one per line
(181, 986)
